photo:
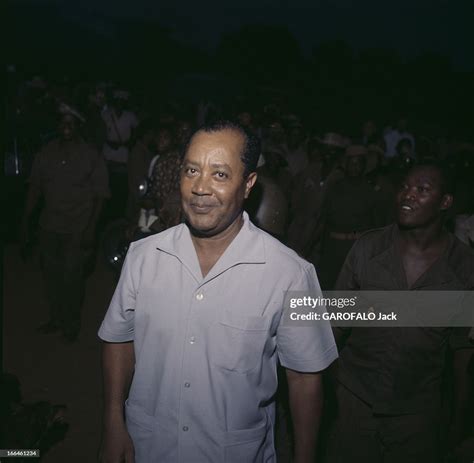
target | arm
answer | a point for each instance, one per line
(306, 402)
(118, 363)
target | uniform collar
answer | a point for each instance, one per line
(247, 247)
(439, 274)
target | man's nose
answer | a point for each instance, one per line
(201, 184)
(410, 193)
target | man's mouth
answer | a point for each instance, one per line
(406, 208)
(201, 208)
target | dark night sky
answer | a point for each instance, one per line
(408, 26)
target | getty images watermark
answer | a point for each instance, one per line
(381, 308)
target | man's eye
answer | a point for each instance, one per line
(222, 174)
(189, 170)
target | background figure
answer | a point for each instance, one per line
(349, 208)
(309, 188)
(121, 125)
(391, 382)
(71, 177)
(393, 135)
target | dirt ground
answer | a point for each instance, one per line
(49, 369)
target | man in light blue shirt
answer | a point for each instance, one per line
(195, 328)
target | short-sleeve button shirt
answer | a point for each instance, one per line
(206, 349)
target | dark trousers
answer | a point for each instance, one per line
(63, 261)
(359, 435)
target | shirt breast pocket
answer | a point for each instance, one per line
(237, 342)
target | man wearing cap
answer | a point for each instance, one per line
(195, 327)
(72, 178)
(349, 208)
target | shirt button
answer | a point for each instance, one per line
(185, 428)
(187, 384)
(192, 340)
(199, 296)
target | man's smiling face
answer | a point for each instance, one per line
(421, 198)
(213, 187)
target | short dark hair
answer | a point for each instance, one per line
(252, 147)
(448, 183)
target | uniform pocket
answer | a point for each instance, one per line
(153, 439)
(246, 445)
(237, 343)
(140, 426)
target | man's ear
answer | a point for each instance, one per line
(249, 183)
(446, 202)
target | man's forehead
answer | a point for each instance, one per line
(426, 174)
(220, 142)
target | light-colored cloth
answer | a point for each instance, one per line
(392, 137)
(119, 130)
(464, 228)
(206, 349)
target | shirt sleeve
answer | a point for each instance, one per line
(118, 324)
(306, 346)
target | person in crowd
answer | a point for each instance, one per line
(370, 133)
(160, 207)
(393, 135)
(295, 149)
(349, 208)
(389, 380)
(184, 128)
(94, 129)
(309, 189)
(71, 177)
(138, 166)
(268, 205)
(121, 125)
(196, 325)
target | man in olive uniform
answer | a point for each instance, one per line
(71, 177)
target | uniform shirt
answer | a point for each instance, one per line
(119, 130)
(70, 175)
(398, 370)
(206, 349)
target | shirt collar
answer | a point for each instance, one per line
(247, 247)
(440, 272)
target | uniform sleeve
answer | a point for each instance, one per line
(306, 347)
(100, 177)
(118, 324)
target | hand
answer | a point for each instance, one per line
(117, 446)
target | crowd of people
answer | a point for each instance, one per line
(100, 155)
